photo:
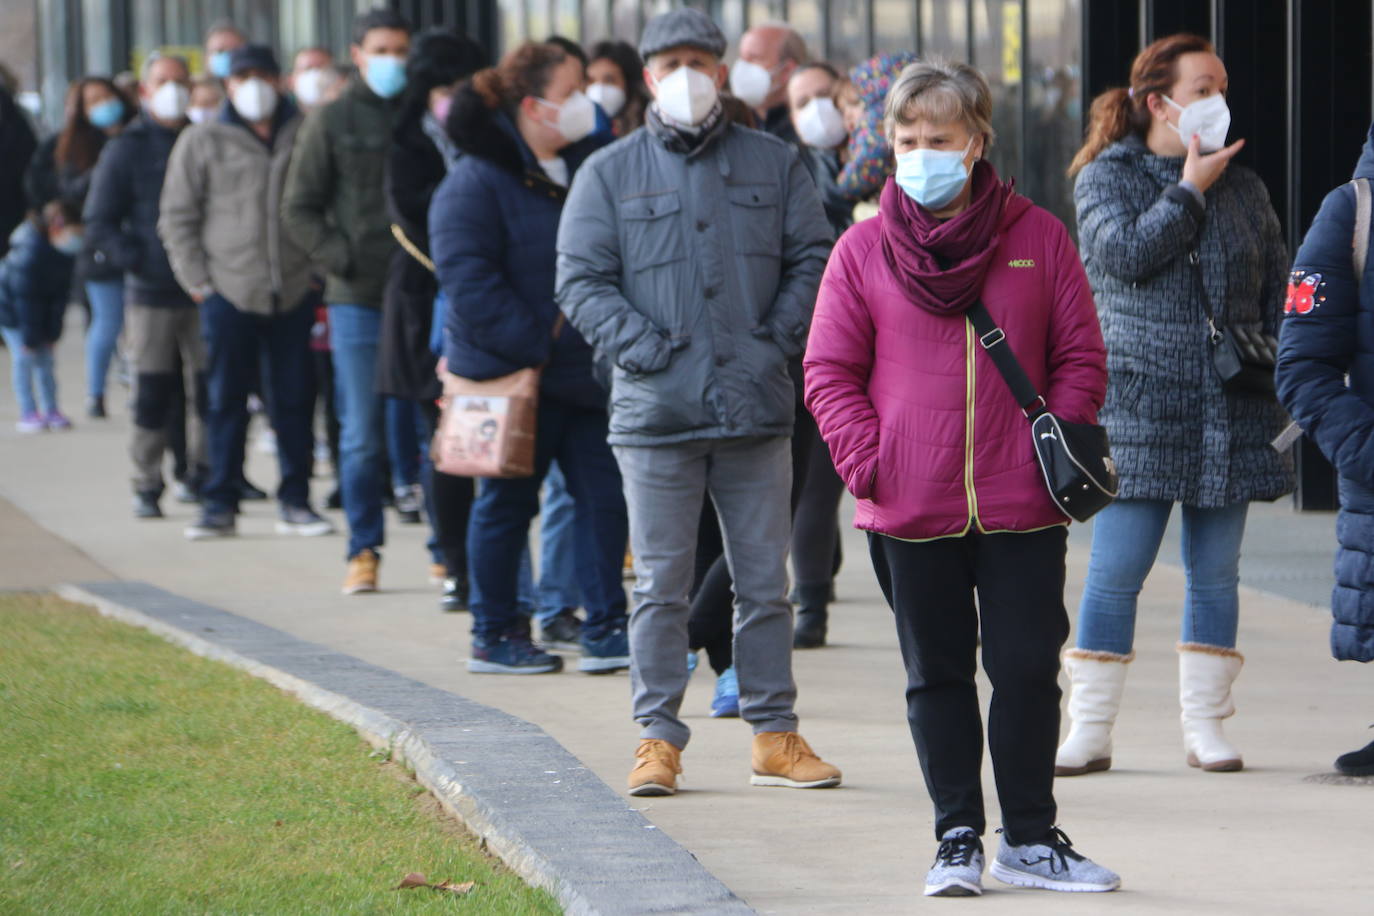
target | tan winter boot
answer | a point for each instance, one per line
(660, 763)
(785, 759)
(1096, 681)
(1205, 674)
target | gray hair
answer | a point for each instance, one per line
(940, 91)
(156, 56)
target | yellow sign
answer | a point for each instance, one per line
(194, 56)
(1011, 42)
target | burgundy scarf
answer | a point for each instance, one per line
(915, 243)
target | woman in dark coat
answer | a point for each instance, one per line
(421, 155)
(1328, 332)
(61, 170)
(1161, 209)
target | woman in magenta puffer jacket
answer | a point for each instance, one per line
(928, 437)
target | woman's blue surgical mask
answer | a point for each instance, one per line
(932, 177)
(105, 114)
(385, 75)
(219, 64)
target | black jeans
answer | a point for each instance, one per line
(1019, 581)
(448, 502)
(235, 342)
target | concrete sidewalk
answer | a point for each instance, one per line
(1262, 841)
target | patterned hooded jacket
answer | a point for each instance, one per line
(870, 155)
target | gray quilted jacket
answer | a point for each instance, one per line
(694, 273)
(1175, 434)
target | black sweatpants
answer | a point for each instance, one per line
(1019, 582)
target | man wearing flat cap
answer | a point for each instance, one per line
(221, 225)
(689, 254)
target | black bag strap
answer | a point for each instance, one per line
(1195, 260)
(994, 341)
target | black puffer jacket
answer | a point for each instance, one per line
(46, 180)
(122, 210)
(17, 143)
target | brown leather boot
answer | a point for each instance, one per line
(785, 759)
(657, 770)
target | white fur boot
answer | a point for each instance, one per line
(1096, 681)
(1205, 674)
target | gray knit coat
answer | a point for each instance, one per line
(1175, 434)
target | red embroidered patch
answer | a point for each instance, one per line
(1302, 293)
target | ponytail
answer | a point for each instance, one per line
(1117, 113)
(525, 71)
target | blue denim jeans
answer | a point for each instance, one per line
(557, 587)
(237, 345)
(354, 335)
(25, 368)
(107, 320)
(404, 432)
(1126, 539)
(498, 533)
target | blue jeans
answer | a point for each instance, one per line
(557, 587)
(1126, 539)
(354, 333)
(498, 533)
(404, 432)
(237, 345)
(107, 320)
(24, 367)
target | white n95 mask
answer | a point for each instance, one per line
(820, 124)
(1209, 118)
(687, 96)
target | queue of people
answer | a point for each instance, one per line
(744, 289)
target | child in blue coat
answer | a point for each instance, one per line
(34, 279)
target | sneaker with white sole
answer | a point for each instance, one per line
(958, 868)
(211, 525)
(1051, 863)
(303, 521)
(605, 654)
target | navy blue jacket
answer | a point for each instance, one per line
(34, 280)
(1328, 331)
(493, 226)
(122, 209)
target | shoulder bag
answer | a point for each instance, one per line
(487, 428)
(1075, 458)
(1242, 354)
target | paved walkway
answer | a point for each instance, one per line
(1262, 841)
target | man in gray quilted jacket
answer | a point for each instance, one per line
(689, 254)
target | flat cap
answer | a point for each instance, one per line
(253, 57)
(684, 27)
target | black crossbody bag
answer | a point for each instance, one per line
(1243, 355)
(1075, 458)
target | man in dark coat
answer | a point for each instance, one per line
(1327, 336)
(161, 320)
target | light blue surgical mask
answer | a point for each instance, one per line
(219, 64)
(932, 177)
(105, 114)
(385, 75)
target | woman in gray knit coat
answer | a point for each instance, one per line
(1154, 185)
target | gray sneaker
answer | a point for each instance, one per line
(958, 868)
(1052, 864)
(303, 521)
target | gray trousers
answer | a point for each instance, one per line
(157, 337)
(749, 480)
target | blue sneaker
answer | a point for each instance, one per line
(725, 704)
(606, 653)
(512, 655)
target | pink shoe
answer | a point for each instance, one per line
(54, 419)
(30, 423)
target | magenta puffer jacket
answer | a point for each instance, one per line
(921, 426)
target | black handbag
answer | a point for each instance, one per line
(1242, 354)
(1075, 458)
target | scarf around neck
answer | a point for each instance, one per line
(941, 264)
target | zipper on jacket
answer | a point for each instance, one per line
(970, 392)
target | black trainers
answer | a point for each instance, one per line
(407, 503)
(303, 521)
(145, 505)
(455, 596)
(334, 500)
(250, 493)
(95, 407)
(606, 653)
(211, 524)
(511, 655)
(563, 631)
(1357, 763)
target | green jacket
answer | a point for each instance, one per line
(334, 206)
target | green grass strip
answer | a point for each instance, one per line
(138, 778)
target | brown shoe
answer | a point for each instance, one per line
(657, 770)
(785, 759)
(362, 573)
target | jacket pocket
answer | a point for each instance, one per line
(754, 217)
(653, 230)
